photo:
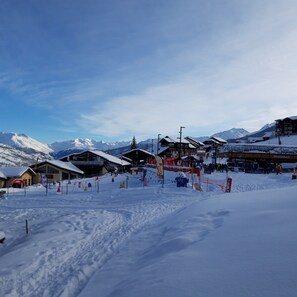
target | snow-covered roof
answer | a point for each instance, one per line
(194, 140)
(168, 139)
(219, 139)
(210, 141)
(138, 149)
(175, 139)
(2, 175)
(63, 165)
(263, 148)
(111, 158)
(15, 171)
(190, 157)
(162, 149)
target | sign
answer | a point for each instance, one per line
(160, 167)
(43, 179)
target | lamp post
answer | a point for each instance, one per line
(152, 146)
(180, 140)
(158, 144)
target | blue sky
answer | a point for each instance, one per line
(111, 70)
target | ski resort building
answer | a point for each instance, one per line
(56, 171)
(16, 176)
(176, 147)
(286, 126)
(94, 163)
(257, 157)
(137, 157)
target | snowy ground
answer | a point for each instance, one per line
(97, 239)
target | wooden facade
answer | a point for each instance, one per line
(25, 176)
(171, 147)
(56, 171)
(95, 163)
(138, 156)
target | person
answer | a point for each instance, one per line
(278, 168)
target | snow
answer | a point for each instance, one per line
(111, 158)
(14, 171)
(93, 238)
(64, 165)
(24, 142)
(86, 144)
(285, 140)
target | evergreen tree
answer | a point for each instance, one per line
(134, 143)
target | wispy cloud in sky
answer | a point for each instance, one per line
(146, 67)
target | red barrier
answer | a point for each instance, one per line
(228, 184)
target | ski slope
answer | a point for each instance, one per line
(104, 240)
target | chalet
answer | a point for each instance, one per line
(138, 156)
(198, 144)
(191, 161)
(176, 147)
(94, 163)
(214, 143)
(286, 126)
(56, 171)
(17, 176)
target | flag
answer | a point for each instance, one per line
(159, 165)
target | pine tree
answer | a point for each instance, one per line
(134, 143)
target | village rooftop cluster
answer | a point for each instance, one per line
(248, 155)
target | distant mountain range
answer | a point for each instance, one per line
(83, 144)
(20, 149)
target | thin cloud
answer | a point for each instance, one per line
(204, 66)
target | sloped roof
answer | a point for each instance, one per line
(190, 139)
(15, 171)
(111, 158)
(177, 140)
(63, 165)
(219, 139)
(2, 175)
(138, 149)
(168, 139)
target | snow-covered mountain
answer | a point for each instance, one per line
(232, 133)
(267, 126)
(85, 144)
(20, 149)
(24, 143)
(15, 157)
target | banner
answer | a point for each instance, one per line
(159, 166)
(44, 179)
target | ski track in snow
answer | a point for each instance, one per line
(62, 264)
(72, 236)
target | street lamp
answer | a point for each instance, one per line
(152, 146)
(180, 140)
(158, 144)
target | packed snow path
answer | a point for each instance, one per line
(71, 236)
(82, 237)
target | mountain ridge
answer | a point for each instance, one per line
(26, 150)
